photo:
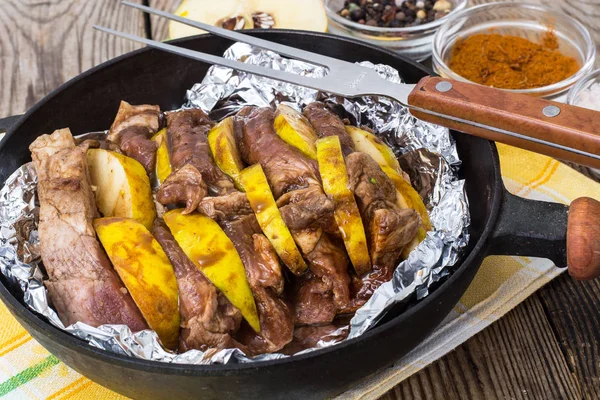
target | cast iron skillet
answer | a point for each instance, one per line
(501, 224)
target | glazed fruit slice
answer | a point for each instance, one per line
(269, 218)
(295, 130)
(122, 186)
(224, 151)
(213, 253)
(335, 183)
(146, 272)
(163, 158)
(368, 143)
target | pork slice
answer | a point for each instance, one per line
(286, 167)
(208, 319)
(306, 208)
(230, 206)
(188, 130)
(82, 283)
(388, 227)
(326, 123)
(132, 130)
(183, 186)
(266, 281)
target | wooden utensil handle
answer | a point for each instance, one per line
(583, 239)
(531, 117)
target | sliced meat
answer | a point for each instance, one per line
(230, 206)
(285, 166)
(132, 130)
(309, 207)
(82, 283)
(266, 280)
(183, 186)
(307, 337)
(188, 130)
(326, 123)
(325, 291)
(388, 227)
(208, 319)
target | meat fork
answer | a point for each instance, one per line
(558, 130)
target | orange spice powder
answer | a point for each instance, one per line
(511, 62)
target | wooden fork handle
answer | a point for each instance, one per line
(532, 117)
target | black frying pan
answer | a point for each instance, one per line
(501, 224)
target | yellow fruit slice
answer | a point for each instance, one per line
(224, 150)
(163, 158)
(295, 130)
(408, 197)
(209, 248)
(269, 218)
(335, 183)
(210, 12)
(146, 272)
(123, 188)
(368, 143)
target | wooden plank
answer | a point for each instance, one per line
(43, 44)
(160, 26)
(518, 357)
(572, 308)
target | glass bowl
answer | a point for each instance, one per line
(415, 42)
(525, 20)
(574, 98)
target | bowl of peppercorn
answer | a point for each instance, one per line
(523, 48)
(404, 26)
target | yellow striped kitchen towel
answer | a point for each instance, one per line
(28, 371)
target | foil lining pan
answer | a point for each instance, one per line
(427, 153)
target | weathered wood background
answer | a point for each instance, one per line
(547, 348)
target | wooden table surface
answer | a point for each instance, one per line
(546, 348)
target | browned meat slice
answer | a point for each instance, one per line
(266, 280)
(83, 285)
(208, 319)
(326, 123)
(388, 227)
(327, 286)
(188, 130)
(131, 132)
(308, 207)
(230, 206)
(306, 337)
(286, 167)
(183, 186)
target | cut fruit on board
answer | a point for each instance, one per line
(306, 15)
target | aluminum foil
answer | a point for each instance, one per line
(426, 152)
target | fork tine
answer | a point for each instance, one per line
(284, 50)
(323, 84)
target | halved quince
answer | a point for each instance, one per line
(247, 14)
(294, 129)
(269, 218)
(335, 183)
(146, 272)
(123, 187)
(213, 253)
(368, 143)
(163, 158)
(224, 150)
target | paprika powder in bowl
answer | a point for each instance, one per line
(524, 48)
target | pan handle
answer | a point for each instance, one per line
(566, 235)
(8, 122)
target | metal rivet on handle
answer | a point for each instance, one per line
(443, 86)
(551, 111)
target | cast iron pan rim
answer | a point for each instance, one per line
(76, 344)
